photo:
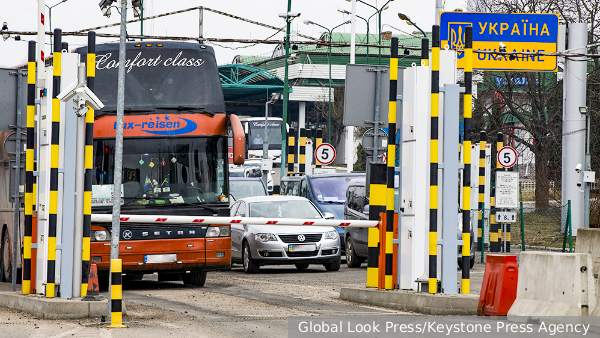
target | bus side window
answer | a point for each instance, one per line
(282, 188)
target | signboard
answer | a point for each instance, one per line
(507, 157)
(325, 153)
(507, 188)
(503, 32)
(506, 216)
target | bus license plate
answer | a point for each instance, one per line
(302, 247)
(168, 258)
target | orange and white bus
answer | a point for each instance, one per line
(175, 159)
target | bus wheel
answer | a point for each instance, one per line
(5, 263)
(197, 278)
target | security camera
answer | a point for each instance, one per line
(90, 98)
(578, 167)
(289, 14)
(502, 45)
(68, 92)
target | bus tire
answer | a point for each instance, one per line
(5, 262)
(197, 278)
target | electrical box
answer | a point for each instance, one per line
(266, 164)
(589, 176)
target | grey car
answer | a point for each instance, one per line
(274, 244)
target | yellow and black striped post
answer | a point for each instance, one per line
(425, 52)
(466, 180)
(494, 227)
(116, 294)
(54, 146)
(318, 142)
(291, 152)
(89, 165)
(498, 228)
(433, 174)
(302, 155)
(377, 199)
(391, 167)
(28, 212)
(481, 213)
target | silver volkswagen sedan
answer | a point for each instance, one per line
(275, 244)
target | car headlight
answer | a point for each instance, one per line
(218, 231)
(265, 237)
(99, 235)
(330, 235)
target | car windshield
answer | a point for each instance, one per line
(246, 188)
(284, 209)
(330, 189)
(162, 171)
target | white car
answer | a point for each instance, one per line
(274, 244)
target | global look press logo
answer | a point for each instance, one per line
(162, 126)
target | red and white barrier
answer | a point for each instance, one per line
(229, 220)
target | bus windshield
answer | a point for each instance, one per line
(162, 171)
(256, 134)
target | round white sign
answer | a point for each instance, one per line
(507, 157)
(325, 153)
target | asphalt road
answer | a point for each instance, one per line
(231, 304)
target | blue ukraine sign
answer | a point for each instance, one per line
(518, 32)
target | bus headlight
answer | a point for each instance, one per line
(218, 231)
(99, 235)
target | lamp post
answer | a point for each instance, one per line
(50, 18)
(378, 11)
(274, 98)
(367, 22)
(586, 193)
(288, 16)
(406, 18)
(307, 22)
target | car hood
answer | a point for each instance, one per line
(336, 209)
(287, 229)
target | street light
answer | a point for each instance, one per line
(274, 98)
(50, 18)
(288, 16)
(367, 22)
(308, 22)
(407, 19)
(586, 194)
(378, 11)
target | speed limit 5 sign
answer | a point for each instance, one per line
(507, 157)
(325, 153)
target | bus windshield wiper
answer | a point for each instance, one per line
(214, 210)
(189, 108)
(135, 199)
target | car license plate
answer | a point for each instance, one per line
(168, 258)
(302, 247)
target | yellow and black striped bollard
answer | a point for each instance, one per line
(54, 148)
(89, 165)
(466, 181)
(291, 151)
(391, 166)
(494, 227)
(302, 156)
(28, 212)
(377, 199)
(116, 294)
(481, 200)
(433, 170)
(318, 142)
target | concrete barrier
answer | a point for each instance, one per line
(555, 284)
(588, 241)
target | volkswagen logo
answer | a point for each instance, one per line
(127, 234)
(301, 238)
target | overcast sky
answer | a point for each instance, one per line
(81, 14)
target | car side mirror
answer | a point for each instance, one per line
(328, 215)
(366, 209)
(272, 172)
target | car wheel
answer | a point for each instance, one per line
(197, 278)
(302, 266)
(352, 259)
(334, 266)
(249, 265)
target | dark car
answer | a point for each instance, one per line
(356, 239)
(326, 191)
